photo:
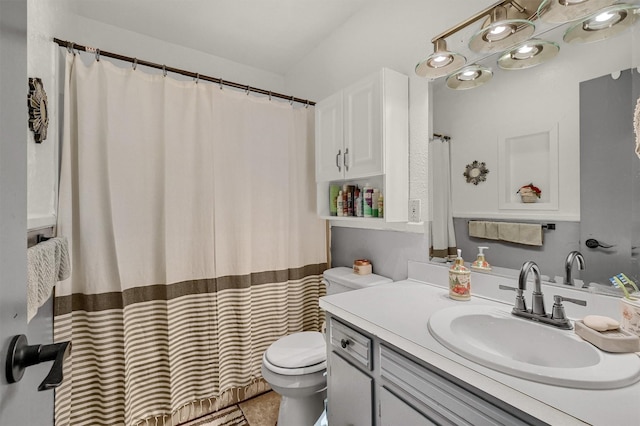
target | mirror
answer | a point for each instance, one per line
(520, 104)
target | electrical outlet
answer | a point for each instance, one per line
(414, 210)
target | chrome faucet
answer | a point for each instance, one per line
(537, 313)
(537, 302)
(568, 265)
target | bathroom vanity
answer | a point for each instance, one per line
(386, 368)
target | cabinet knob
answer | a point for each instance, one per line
(344, 343)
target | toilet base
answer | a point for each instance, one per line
(301, 411)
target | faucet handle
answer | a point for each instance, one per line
(557, 300)
(506, 287)
(520, 304)
(557, 313)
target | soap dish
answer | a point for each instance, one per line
(611, 340)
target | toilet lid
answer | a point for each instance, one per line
(297, 350)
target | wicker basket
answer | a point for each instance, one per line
(529, 198)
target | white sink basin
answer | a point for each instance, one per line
(491, 336)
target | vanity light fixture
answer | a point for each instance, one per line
(604, 24)
(500, 32)
(469, 77)
(441, 62)
(507, 23)
(508, 26)
(528, 54)
(563, 11)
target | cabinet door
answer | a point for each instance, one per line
(349, 394)
(329, 139)
(395, 412)
(363, 128)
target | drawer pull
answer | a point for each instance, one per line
(344, 343)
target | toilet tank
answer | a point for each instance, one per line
(341, 279)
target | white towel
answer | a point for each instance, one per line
(47, 263)
(521, 233)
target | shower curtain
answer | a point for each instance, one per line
(190, 213)
(443, 238)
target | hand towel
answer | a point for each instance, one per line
(477, 228)
(491, 230)
(47, 263)
(483, 229)
(521, 233)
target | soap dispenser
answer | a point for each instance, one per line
(481, 263)
(459, 280)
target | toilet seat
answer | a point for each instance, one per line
(298, 353)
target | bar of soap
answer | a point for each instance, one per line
(600, 323)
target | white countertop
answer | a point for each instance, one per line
(398, 313)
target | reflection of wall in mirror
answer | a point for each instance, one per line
(524, 101)
(609, 199)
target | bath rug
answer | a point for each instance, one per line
(230, 416)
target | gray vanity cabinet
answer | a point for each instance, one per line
(395, 412)
(350, 392)
(371, 383)
(349, 381)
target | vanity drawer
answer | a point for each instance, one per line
(350, 343)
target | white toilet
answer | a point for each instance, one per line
(295, 365)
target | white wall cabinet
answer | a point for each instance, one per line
(362, 136)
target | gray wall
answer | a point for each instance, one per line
(388, 251)
(20, 403)
(609, 174)
(550, 257)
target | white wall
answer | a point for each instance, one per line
(48, 19)
(392, 34)
(534, 98)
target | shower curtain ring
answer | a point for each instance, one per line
(164, 70)
(269, 95)
(135, 63)
(97, 55)
(291, 101)
(307, 105)
(197, 77)
(220, 82)
(248, 90)
(70, 48)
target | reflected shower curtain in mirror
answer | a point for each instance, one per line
(190, 213)
(443, 238)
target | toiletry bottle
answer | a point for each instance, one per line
(380, 206)
(374, 202)
(480, 262)
(339, 204)
(368, 193)
(358, 203)
(333, 199)
(459, 280)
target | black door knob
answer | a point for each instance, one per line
(593, 243)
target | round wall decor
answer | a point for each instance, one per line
(38, 112)
(476, 172)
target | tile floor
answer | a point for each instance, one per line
(261, 410)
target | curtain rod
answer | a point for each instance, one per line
(443, 138)
(70, 45)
